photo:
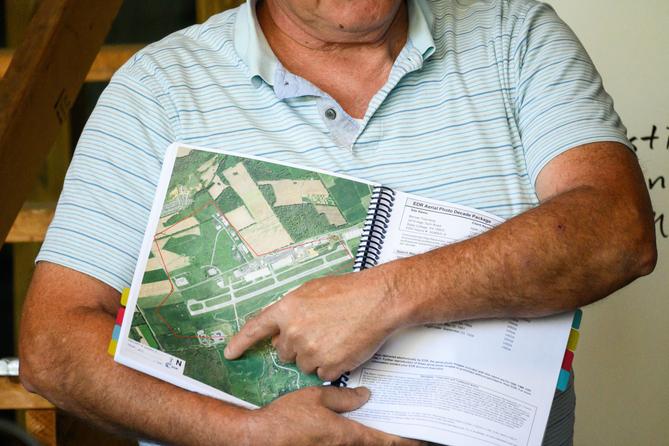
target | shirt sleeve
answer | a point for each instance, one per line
(108, 191)
(560, 100)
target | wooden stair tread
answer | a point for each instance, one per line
(31, 224)
(109, 59)
(14, 396)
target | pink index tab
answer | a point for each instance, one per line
(119, 316)
(124, 296)
(568, 359)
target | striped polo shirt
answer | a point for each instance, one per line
(483, 95)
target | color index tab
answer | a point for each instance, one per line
(112, 347)
(124, 296)
(578, 315)
(119, 316)
(117, 332)
(563, 380)
(567, 360)
(573, 340)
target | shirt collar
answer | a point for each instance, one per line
(420, 32)
(251, 45)
(255, 52)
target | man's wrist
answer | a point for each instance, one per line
(400, 300)
(255, 428)
(244, 430)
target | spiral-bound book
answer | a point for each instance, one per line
(230, 233)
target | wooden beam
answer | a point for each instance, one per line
(42, 81)
(109, 59)
(14, 396)
(31, 224)
(17, 16)
(41, 424)
(5, 58)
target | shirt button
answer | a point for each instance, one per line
(331, 114)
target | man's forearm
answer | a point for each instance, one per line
(69, 365)
(572, 250)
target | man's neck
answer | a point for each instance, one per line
(350, 65)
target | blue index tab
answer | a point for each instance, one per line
(116, 333)
(563, 380)
(578, 315)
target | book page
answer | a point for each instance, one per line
(465, 383)
(418, 225)
(230, 234)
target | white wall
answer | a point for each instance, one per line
(622, 362)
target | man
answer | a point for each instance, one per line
(491, 104)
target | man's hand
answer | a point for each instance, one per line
(328, 325)
(311, 416)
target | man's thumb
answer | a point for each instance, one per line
(344, 400)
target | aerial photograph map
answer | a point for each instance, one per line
(234, 235)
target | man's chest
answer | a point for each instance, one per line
(456, 143)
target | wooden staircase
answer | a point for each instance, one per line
(39, 81)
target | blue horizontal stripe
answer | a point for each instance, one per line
(466, 180)
(437, 130)
(117, 167)
(96, 212)
(94, 265)
(431, 158)
(97, 240)
(98, 186)
(91, 129)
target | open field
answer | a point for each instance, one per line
(155, 288)
(240, 218)
(332, 214)
(290, 192)
(267, 234)
(216, 188)
(169, 259)
(183, 225)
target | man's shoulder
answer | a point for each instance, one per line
(479, 13)
(472, 27)
(196, 47)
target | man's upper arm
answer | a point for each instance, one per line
(606, 166)
(58, 289)
(57, 299)
(560, 101)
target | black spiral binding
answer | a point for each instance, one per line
(375, 227)
(373, 233)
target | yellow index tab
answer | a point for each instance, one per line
(573, 340)
(124, 296)
(112, 347)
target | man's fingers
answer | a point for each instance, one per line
(327, 374)
(379, 437)
(258, 328)
(306, 364)
(344, 400)
(284, 350)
